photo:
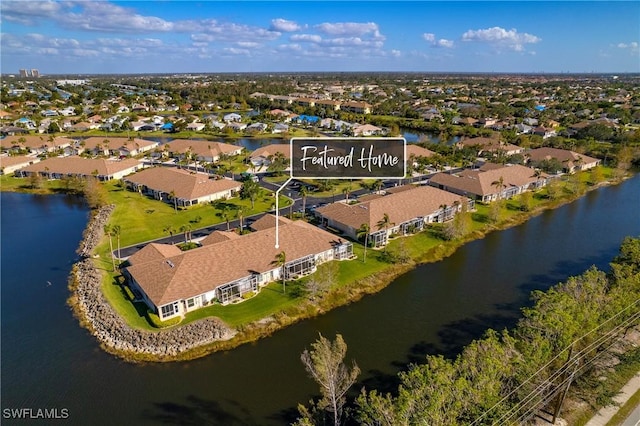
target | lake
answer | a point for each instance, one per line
(48, 361)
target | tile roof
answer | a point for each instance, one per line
(219, 236)
(418, 151)
(185, 184)
(401, 206)
(83, 166)
(269, 150)
(561, 155)
(202, 148)
(203, 269)
(152, 252)
(480, 182)
(34, 141)
(269, 221)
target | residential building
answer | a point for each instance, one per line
(36, 144)
(208, 151)
(9, 164)
(172, 283)
(491, 182)
(263, 156)
(182, 187)
(571, 161)
(408, 207)
(102, 169)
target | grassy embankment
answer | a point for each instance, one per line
(270, 309)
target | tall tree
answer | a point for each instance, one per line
(250, 190)
(116, 231)
(325, 364)
(108, 232)
(500, 186)
(172, 194)
(241, 212)
(364, 231)
(384, 223)
(304, 192)
(281, 261)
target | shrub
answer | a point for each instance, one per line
(155, 320)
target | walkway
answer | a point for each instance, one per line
(605, 414)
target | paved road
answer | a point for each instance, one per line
(290, 191)
(605, 414)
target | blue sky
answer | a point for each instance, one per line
(87, 37)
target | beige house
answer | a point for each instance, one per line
(571, 161)
(491, 145)
(491, 182)
(201, 150)
(9, 164)
(172, 282)
(408, 207)
(183, 187)
(263, 156)
(36, 144)
(103, 169)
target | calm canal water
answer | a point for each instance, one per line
(48, 361)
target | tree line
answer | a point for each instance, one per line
(504, 377)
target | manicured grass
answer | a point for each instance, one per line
(625, 410)
(143, 219)
(269, 301)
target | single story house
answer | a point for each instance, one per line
(263, 156)
(187, 188)
(408, 207)
(366, 130)
(201, 150)
(9, 164)
(36, 144)
(491, 182)
(102, 169)
(172, 282)
(492, 145)
(571, 161)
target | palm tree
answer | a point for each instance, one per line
(304, 192)
(116, 232)
(187, 232)
(500, 186)
(280, 261)
(384, 223)
(172, 194)
(241, 212)
(363, 231)
(108, 232)
(169, 230)
(225, 213)
(346, 191)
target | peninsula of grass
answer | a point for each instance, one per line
(272, 308)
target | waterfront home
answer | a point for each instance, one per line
(9, 164)
(99, 145)
(409, 208)
(490, 145)
(491, 182)
(182, 187)
(571, 161)
(414, 153)
(200, 150)
(172, 283)
(36, 144)
(102, 169)
(263, 156)
(366, 130)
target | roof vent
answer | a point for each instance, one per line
(170, 263)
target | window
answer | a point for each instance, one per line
(168, 310)
(191, 303)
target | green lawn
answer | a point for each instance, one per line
(142, 218)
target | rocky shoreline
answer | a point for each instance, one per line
(115, 336)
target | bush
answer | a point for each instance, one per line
(248, 295)
(155, 320)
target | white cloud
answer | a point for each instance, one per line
(29, 12)
(510, 39)
(235, 51)
(396, 53)
(349, 29)
(631, 46)
(312, 38)
(283, 25)
(430, 37)
(444, 43)
(108, 17)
